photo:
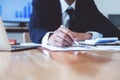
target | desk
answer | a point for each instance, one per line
(36, 64)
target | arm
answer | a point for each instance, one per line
(64, 37)
(104, 26)
(36, 27)
(41, 20)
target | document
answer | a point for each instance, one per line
(84, 47)
(80, 47)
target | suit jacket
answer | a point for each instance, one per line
(47, 16)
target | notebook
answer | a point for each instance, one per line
(5, 44)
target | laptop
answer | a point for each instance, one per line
(5, 44)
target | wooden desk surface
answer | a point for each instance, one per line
(36, 64)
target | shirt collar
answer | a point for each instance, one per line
(64, 5)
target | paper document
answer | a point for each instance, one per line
(86, 47)
(80, 47)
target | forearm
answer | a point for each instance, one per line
(37, 33)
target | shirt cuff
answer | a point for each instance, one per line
(95, 34)
(45, 38)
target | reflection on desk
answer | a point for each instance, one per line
(41, 64)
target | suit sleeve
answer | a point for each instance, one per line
(104, 26)
(37, 27)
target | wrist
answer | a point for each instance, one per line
(88, 35)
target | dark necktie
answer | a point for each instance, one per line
(70, 12)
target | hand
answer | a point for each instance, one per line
(64, 37)
(79, 36)
(61, 38)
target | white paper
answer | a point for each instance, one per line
(54, 48)
(84, 47)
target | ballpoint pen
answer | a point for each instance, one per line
(76, 43)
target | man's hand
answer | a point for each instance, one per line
(76, 36)
(64, 37)
(60, 38)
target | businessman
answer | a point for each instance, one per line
(80, 20)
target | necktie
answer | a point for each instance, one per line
(70, 12)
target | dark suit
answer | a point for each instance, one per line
(47, 16)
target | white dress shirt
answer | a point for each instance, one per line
(65, 18)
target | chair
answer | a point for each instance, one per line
(26, 37)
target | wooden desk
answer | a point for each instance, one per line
(36, 64)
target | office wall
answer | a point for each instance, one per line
(108, 6)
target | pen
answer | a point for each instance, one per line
(75, 42)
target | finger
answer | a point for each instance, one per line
(59, 44)
(57, 41)
(67, 31)
(64, 37)
(63, 41)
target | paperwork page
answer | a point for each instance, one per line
(84, 47)
(81, 47)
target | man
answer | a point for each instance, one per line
(89, 23)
